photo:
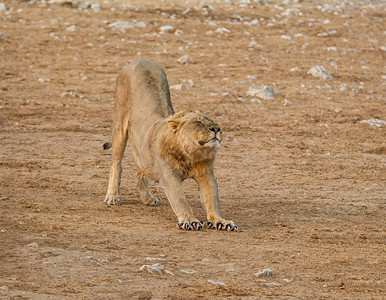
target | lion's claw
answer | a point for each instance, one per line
(113, 200)
(196, 225)
(222, 226)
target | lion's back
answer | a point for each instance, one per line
(147, 90)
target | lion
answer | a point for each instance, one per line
(168, 147)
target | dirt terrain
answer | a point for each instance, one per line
(301, 174)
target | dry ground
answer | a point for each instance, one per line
(304, 181)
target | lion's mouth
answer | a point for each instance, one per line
(212, 139)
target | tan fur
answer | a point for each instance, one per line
(167, 147)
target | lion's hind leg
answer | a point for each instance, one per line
(120, 137)
(144, 191)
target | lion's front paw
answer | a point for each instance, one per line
(113, 199)
(223, 225)
(195, 225)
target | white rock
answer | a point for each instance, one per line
(374, 122)
(343, 87)
(177, 87)
(254, 100)
(169, 273)
(333, 48)
(287, 280)
(338, 110)
(155, 258)
(167, 28)
(85, 5)
(2, 7)
(383, 48)
(33, 245)
(189, 271)
(95, 7)
(72, 28)
(286, 37)
(296, 69)
(215, 282)
(184, 59)
(265, 272)
(178, 32)
(287, 102)
(222, 30)
(123, 25)
(275, 284)
(42, 80)
(266, 93)
(157, 268)
(191, 82)
(320, 72)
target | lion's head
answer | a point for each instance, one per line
(196, 135)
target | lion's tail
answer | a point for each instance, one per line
(107, 145)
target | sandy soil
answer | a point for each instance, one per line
(302, 175)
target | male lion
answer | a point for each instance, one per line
(167, 147)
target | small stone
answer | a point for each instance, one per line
(343, 87)
(95, 7)
(265, 272)
(85, 5)
(222, 30)
(2, 7)
(266, 93)
(123, 25)
(178, 32)
(383, 48)
(33, 245)
(338, 110)
(189, 271)
(287, 102)
(167, 28)
(157, 268)
(43, 80)
(72, 28)
(177, 87)
(215, 282)
(375, 122)
(320, 71)
(286, 37)
(191, 82)
(184, 59)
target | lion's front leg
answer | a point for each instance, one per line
(209, 199)
(175, 194)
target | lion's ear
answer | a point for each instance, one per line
(173, 125)
(176, 120)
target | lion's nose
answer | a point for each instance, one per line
(215, 129)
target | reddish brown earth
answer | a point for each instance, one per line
(305, 182)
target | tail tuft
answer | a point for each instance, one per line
(107, 145)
